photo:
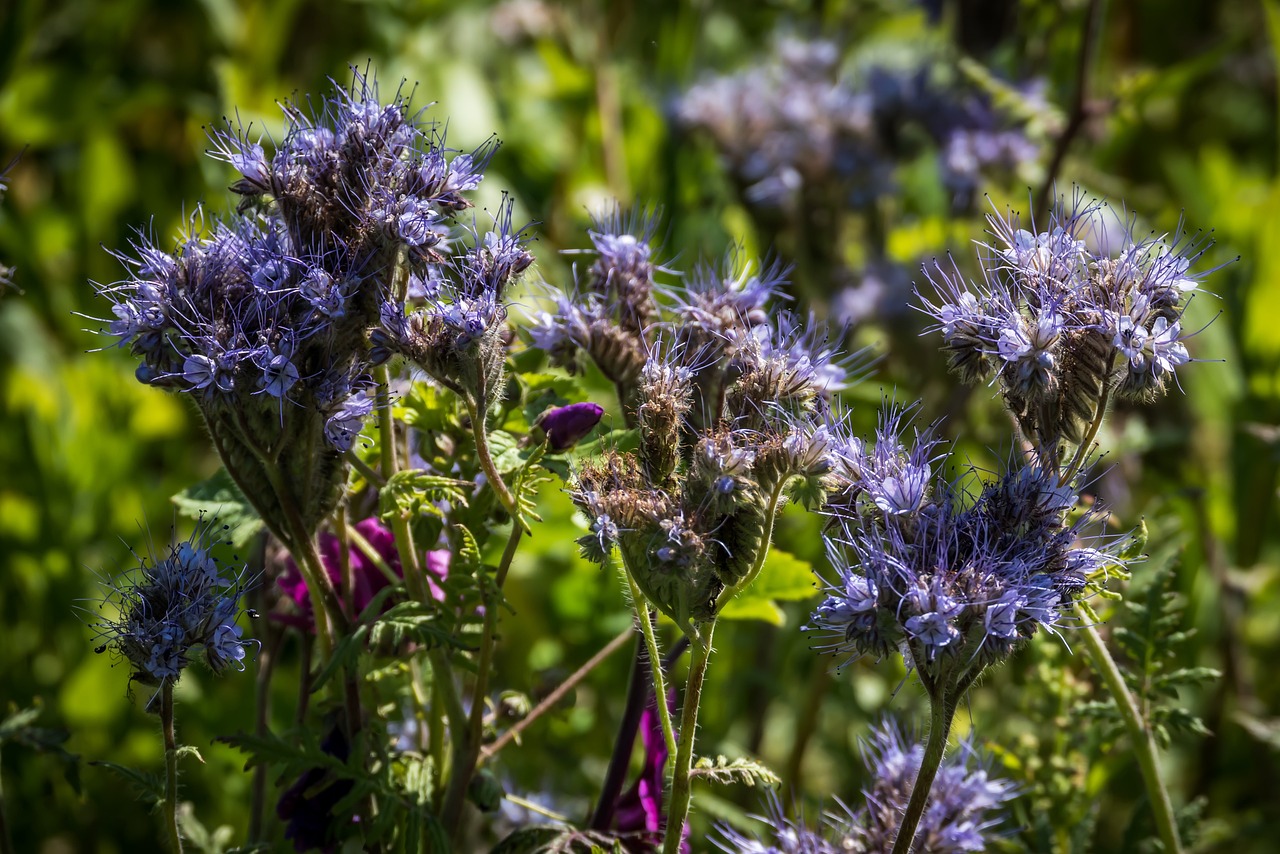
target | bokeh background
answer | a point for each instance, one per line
(107, 103)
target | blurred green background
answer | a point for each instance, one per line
(108, 103)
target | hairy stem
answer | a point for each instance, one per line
(386, 429)
(170, 807)
(645, 619)
(464, 764)
(1144, 744)
(678, 809)
(942, 709)
(496, 483)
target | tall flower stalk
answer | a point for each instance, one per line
(1064, 322)
(728, 404)
(165, 612)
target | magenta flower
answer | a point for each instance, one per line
(367, 578)
(639, 810)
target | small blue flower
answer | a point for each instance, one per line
(961, 813)
(344, 425)
(169, 608)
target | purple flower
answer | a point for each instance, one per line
(947, 578)
(639, 810)
(565, 426)
(344, 425)
(367, 577)
(168, 609)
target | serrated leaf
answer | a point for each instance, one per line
(185, 750)
(414, 492)
(724, 770)
(149, 787)
(219, 498)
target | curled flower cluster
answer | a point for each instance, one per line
(1062, 324)
(960, 816)
(962, 807)
(728, 401)
(607, 320)
(954, 582)
(272, 320)
(795, 126)
(172, 607)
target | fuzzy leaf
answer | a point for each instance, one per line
(219, 498)
(723, 770)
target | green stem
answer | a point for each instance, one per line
(464, 763)
(678, 810)
(386, 429)
(170, 808)
(496, 483)
(374, 477)
(942, 709)
(1144, 745)
(655, 661)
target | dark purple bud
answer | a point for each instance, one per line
(566, 425)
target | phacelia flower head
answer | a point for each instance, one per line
(171, 609)
(786, 835)
(962, 815)
(952, 581)
(271, 319)
(1068, 317)
(963, 808)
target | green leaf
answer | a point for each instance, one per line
(150, 787)
(783, 578)
(427, 408)
(723, 770)
(414, 492)
(219, 498)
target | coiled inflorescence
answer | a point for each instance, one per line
(961, 816)
(952, 581)
(728, 402)
(1062, 324)
(169, 608)
(266, 319)
(795, 129)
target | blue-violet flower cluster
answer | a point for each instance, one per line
(170, 608)
(952, 581)
(1063, 321)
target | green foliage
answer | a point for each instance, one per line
(18, 728)
(783, 578)
(394, 779)
(219, 498)
(1152, 636)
